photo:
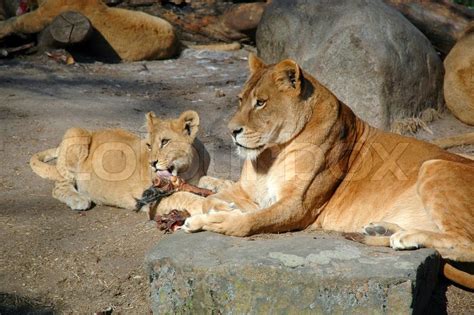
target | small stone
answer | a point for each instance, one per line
(219, 93)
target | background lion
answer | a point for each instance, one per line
(132, 35)
(459, 78)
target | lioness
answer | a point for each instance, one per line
(114, 167)
(310, 162)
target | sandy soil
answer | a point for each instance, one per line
(53, 258)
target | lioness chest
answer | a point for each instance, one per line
(269, 178)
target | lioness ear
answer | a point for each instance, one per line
(255, 63)
(188, 122)
(288, 75)
(151, 119)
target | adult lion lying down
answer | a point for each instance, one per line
(132, 35)
(114, 167)
(310, 162)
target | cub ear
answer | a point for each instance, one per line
(151, 121)
(288, 76)
(188, 123)
(255, 63)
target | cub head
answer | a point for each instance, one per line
(170, 143)
(273, 107)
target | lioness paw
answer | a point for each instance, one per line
(406, 240)
(233, 223)
(380, 229)
(226, 222)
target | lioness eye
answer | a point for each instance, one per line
(260, 103)
(164, 142)
(148, 146)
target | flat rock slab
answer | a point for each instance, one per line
(293, 273)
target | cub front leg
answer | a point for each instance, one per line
(182, 200)
(214, 184)
(192, 203)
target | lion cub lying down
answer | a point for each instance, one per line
(113, 167)
(310, 162)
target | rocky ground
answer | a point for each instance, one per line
(53, 258)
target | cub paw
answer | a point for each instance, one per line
(193, 223)
(78, 203)
(208, 183)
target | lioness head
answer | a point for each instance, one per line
(171, 142)
(273, 107)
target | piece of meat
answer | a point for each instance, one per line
(172, 221)
(164, 186)
(178, 184)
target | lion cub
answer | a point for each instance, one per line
(113, 167)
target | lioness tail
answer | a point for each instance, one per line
(38, 163)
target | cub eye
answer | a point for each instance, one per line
(164, 142)
(260, 103)
(148, 146)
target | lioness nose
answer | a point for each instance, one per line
(236, 131)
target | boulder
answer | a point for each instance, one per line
(292, 273)
(364, 51)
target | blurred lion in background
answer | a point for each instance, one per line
(132, 35)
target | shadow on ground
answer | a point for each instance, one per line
(11, 304)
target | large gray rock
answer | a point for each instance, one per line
(365, 52)
(286, 274)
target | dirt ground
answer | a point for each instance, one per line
(56, 259)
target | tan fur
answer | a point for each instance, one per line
(459, 78)
(449, 142)
(112, 167)
(218, 47)
(38, 160)
(310, 162)
(133, 35)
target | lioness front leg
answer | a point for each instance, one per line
(286, 215)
